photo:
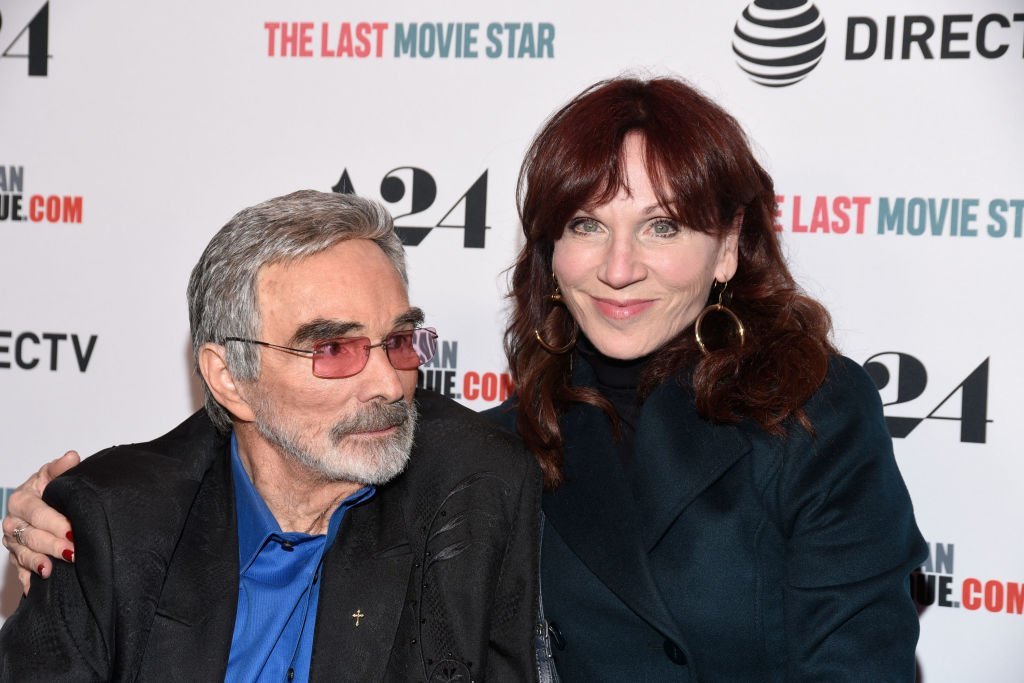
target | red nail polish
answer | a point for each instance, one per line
(39, 570)
(70, 536)
(68, 555)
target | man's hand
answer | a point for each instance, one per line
(32, 529)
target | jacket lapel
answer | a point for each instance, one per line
(596, 515)
(678, 456)
(196, 611)
(365, 579)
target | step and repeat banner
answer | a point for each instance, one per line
(130, 132)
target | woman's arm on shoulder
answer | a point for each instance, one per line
(45, 532)
(62, 630)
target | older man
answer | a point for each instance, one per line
(306, 525)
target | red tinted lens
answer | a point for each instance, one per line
(337, 358)
(412, 348)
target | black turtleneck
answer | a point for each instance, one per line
(618, 380)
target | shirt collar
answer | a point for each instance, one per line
(256, 523)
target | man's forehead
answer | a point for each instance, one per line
(352, 281)
(349, 263)
(358, 252)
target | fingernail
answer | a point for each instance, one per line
(70, 536)
(68, 555)
(39, 570)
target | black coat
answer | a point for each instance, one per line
(733, 555)
(442, 562)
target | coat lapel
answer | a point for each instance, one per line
(678, 456)
(596, 515)
(367, 573)
(196, 610)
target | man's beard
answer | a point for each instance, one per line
(363, 460)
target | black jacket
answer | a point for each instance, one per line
(442, 562)
(732, 555)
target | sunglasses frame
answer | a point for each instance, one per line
(349, 342)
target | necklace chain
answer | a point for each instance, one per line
(323, 513)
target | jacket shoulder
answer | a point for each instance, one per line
(151, 474)
(504, 414)
(845, 464)
(846, 390)
(455, 432)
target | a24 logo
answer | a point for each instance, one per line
(415, 190)
(37, 53)
(911, 379)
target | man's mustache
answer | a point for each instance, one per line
(374, 418)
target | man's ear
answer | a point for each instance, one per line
(213, 365)
(729, 249)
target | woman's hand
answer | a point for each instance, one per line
(33, 530)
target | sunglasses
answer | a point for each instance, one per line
(347, 356)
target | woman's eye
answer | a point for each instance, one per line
(664, 228)
(584, 226)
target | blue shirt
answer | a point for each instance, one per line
(278, 587)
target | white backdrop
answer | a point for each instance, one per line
(130, 132)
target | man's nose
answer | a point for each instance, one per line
(379, 380)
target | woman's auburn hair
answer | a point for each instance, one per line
(707, 178)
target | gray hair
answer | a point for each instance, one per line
(222, 298)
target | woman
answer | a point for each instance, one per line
(722, 499)
(723, 502)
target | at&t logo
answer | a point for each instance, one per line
(778, 42)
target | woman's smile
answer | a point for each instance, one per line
(621, 310)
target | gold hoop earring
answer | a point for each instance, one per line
(559, 350)
(555, 296)
(718, 307)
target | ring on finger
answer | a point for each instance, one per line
(18, 533)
